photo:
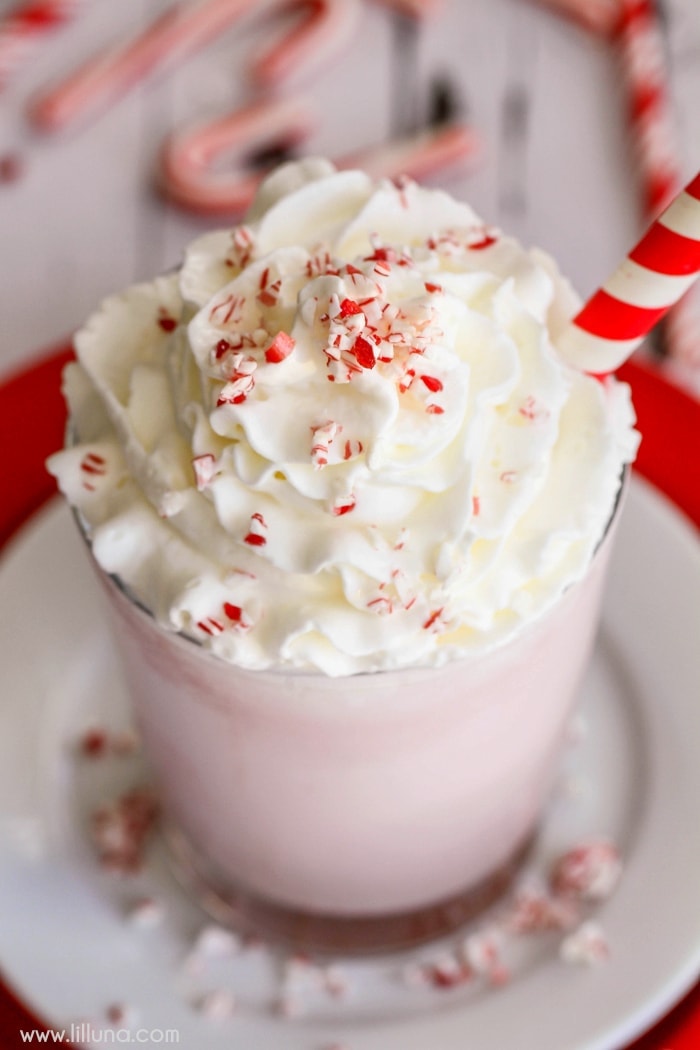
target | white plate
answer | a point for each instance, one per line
(69, 952)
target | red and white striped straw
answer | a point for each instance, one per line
(652, 122)
(655, 274)
(25, 26)
(180, 31)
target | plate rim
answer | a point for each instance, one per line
(668, 994)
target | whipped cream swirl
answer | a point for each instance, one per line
(340, 437)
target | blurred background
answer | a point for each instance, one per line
(545, 85)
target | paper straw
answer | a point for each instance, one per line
(655, 274)
(652, 123)
(180, 31)
(25, 27)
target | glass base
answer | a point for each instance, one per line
(329, 934)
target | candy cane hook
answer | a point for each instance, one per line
(189, 176)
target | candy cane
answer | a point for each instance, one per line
(653, 277)
(176, 34)
(325, 26)
(415, 8)
(24, 27)
(643, 59)
(188, 159)
(418, 156)
(600, 16)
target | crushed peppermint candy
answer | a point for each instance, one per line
(343, 505)
(218, 1005)
(212, 943)
(211, 627)
(241, 382)
(215, 942)
(533, 911)
(280, 348)
(435, 621)
(257, 529)
(335, 981)
(97, 742)
(242, 247)
(322, 438)
(121, 829)
(448, 972)
(146, 913)
(587, 945)
(589, 872)
(204, 467)
(165, 322)
(93, 743)
(93, 466)
(482, 955)
(121, 1015)
(236, 615)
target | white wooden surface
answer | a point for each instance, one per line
(84, 218)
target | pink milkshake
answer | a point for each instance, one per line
(366, 506)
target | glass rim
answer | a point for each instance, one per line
(134, 601)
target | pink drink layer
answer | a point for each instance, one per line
(366, 794)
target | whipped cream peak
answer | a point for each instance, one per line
(341, 437)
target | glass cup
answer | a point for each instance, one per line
(358, 813)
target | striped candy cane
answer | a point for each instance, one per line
(655, 274)
(415, 8)
(24, 28)
(650, 111)
(600, 16)
(325, 26)
(188, 161)
(180, 31)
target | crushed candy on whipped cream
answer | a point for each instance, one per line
(340, 437)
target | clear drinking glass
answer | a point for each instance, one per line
(363, 812)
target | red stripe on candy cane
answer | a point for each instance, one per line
(24, 27)
(323, 29)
